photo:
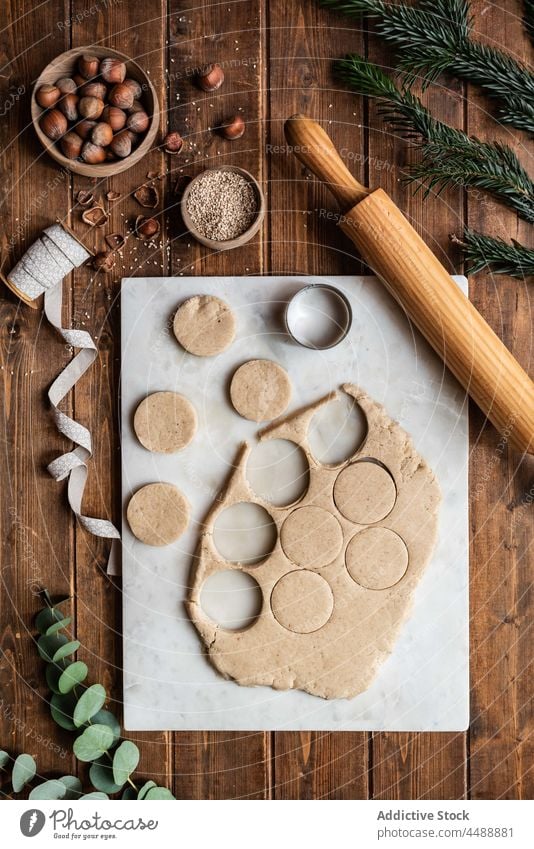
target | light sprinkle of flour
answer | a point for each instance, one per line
(222, 205)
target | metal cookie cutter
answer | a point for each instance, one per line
(318, 316)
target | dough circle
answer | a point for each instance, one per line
(260, 390)
(311, 537)
(204, 325)
(302, 601)
(165, 422)
(364, 492)
(158, 514)
(376, 558)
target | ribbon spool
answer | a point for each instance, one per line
(41, 271)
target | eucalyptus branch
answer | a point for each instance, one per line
(449, 156)
(482, 251)
(435, 36)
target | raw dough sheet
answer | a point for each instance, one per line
(168, 682)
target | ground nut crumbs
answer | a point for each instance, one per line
(222, 205)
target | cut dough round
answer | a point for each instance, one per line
(311, 536)
(260, 390)
(302, 602)
(365, 492)
(376, 558)
(204, 325)
(165, 422)
(158, 514)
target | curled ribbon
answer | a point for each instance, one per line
(41, 271)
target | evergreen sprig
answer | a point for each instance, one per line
(482, 251)
(435, 36)
(449, 156)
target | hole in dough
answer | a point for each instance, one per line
(302, 601)
(278, 471)
(231, 599)
(311, 536)
(158, 513)
(365, 492)
(244, 533)
(337, 430)
(377, 558)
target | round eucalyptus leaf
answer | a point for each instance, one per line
(74, 674)
(101, 776)
(125, 761)
(53, 789)
(145, 788)
(47, 646)
(73, 785)
(68, 648)
(95, 795)
(129, 793)
(88, 704)
(159, 793)
(47, 617)
(92, 743)
(53, 673)
(4, 759)
(62, 708)
(24, 769)
(57, 626)
(105, 717)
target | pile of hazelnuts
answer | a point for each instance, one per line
(97, 115)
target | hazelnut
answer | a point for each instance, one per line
(173, 143)
(94, 89)
(122, 96)
(134, 86)
(53, 124)
(69, 106)
(91, 107)
(47, 96)
(71, 145)
(88, 66)
(146, 228)
(79, 80)
(104, 261)
(136, 107)
(233, 128)
(121, 145)
(211, 77)
(93, 153)
(112, 70)
(102, 134)
(84, 128)
(138, 122)
(66, 85)
(115, 117)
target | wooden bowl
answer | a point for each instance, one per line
(65, 66)
(247, 234)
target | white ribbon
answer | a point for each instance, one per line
(41, 270)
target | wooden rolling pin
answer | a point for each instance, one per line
(415, 277)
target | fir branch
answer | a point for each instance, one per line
(528, 18)
(434, 37)
(498, 256)
(449, 156)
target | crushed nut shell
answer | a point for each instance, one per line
(96, 216)
(146, 228)
(115, 241)
(84, 198)
(147, 196)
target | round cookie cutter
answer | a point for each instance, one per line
(318, 316)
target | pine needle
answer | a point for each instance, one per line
(435, 37)
(449, 156)
(498, 256)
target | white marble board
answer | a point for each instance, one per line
(168, 682)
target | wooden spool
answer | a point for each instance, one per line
(417, 280)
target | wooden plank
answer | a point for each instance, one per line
(417, 765)
(139, 31)
(36, 530)
(303, 239)
(217, 765)
(501, 739)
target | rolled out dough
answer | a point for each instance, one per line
(204, 325)
(165, 422)
(332, 607)
(158, 513)
(260, 390)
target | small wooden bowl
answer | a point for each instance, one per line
(245, 237)
(65, 66)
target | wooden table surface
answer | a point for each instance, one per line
(277, 56)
